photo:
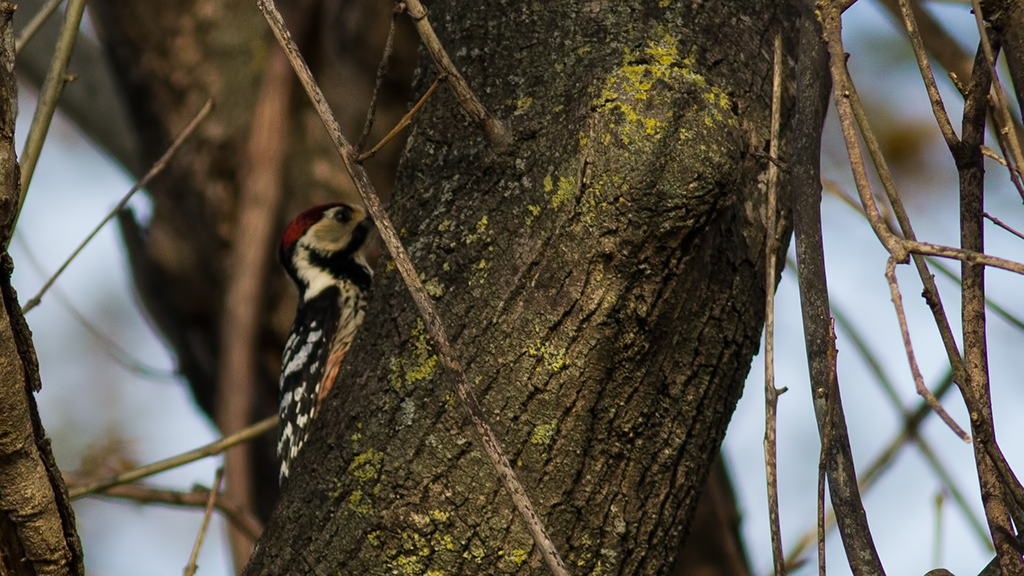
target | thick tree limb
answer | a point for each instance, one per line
(813, 89)
(489, 442)
(969, 161)
(617, 319)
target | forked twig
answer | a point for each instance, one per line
(1012, 144)
(1000, 311)
(915, 371)
(848, 108)
(401, 123)
(771, 394)
(899, 248)
(874, 470)
(495, 130)
(191, 567)
(211, 449)
(156, 169)
(432, 320)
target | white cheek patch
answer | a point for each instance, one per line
(315, 279)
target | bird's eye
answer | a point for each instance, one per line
(344, 214)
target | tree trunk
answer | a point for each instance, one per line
(603, 282)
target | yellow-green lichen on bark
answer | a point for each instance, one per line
(421, 360)
(423, 547)
(366, 468)
(565, 191)
(662, 126)
(554, 356)
(544, 433)
(517, 557)
(434, 287)
(534, 213)
(634, 96)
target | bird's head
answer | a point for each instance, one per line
(325, 246)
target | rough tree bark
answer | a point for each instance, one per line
(601, 279)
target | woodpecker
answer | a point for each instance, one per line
(323, 250)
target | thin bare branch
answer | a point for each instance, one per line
(212, 449)
(382, 71)
(111, 348)
(1002, 225)
(496, 132)
(948, 53)
(771, 394)
(915, 371)
(831, 398)
(821, 509)
(1002, 161)
(403, 123)
(35, 23)
(48, 96)
(843, 95)
(489, 442)
(965, 256)
(938, 109)
(191, 567)
(156, 169)
(1015, 502)
(197, 497)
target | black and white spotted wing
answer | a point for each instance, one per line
(302, 372)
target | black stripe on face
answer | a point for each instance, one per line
(342, 264)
